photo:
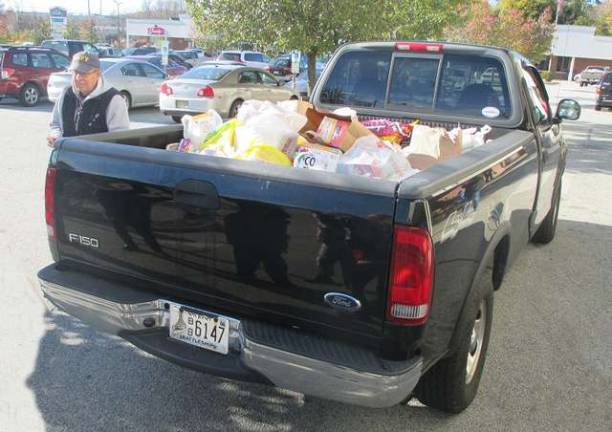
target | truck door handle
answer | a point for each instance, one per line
(197, 193)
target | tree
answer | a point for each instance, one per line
(603, 20)
(316, 26)
(507, 27)
(42, 31)
(87, 31)
(72, 30)
(530, 8)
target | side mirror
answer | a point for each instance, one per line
(568, 109)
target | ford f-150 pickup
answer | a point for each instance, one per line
(354, 289)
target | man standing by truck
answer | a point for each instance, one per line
(87, 106)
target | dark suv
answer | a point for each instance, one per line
(71, 47)
(604, 92)
(24, 72)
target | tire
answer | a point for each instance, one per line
(452, 383)
(235, 107)
(177, 119)
(546, 232)
(597, 107)
(30, 95)
(127, 98)
(293, 98)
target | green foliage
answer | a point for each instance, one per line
(42, 31)
(87, 31)
(531, 8)
(72, 30)
(546, 76)
(603, 19)
(315, 27)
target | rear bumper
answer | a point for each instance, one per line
(258, 352)
(604, 102)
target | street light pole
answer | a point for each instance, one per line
(118, 3)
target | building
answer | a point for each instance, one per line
(149, 31)
(576, 47)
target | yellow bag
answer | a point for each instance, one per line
(264, 153)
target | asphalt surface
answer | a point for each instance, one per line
(549, 366)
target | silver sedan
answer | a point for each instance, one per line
(221, 86)
(137, 81)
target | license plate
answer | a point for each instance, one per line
(182, 104)
(208, 331)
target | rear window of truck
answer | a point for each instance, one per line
(452, 83)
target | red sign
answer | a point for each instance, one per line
(156, 30)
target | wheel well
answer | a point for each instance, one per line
(35, 84)
(125, 92)
(500, 261)
(294, 97)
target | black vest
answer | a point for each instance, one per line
(93, 114)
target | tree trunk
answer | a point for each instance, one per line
(312, 70)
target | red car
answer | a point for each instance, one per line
(173, 69)
(24, 72)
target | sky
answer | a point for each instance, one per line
(75, 6)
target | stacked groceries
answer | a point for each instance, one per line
(294, 133)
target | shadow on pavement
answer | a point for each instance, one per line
(15, 105)
(590, 147)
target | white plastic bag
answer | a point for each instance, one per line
(371, 157)
(473, 137)
(196, 128)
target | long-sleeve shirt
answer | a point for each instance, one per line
(116, 113)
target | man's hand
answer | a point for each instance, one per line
(51, 140)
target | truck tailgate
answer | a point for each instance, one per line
(249, 239)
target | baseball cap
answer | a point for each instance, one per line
(84, 62)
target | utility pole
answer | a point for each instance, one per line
(88, 10)
(118, 3)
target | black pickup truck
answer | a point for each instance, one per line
(342, 287)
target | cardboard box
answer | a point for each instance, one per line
(353, 130)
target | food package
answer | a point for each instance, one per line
(196, 128)
(387, 130)
(264, 153)
(342, 138)
(221, 140)
(316, 157)
(371, 157)
(185, 145)
(433, 142)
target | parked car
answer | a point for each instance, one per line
(591, 75)
(342, 287)
(280, 67)
(179, 60)
(70, 47)
(24, 72)
(173, 69)
(249, 58)
(138, 81)
(218, 86)
(604, 92)
(110, 52)
(139, 51)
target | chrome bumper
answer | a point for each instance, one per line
(284, 369)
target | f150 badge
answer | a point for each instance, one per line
(342, 302)
(84, 241)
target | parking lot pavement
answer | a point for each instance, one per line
(550, 358)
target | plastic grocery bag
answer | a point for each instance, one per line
(371, 157)
(269, 123)
(264, 153)
(220, 141)
(472, 137)
(196, 128)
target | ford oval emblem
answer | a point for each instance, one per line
(342, 302)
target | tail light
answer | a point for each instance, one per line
(166, 89)
(7, 72)
(50, 201)
(206, 92)
(411, 278)
(419, 47)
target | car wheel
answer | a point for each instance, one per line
(546, 232)
(451, 384)
(30, 95)
(177, 119)
(233, 112)
(126, 98)
(293, 98)
(597, 107)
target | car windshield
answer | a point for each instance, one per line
(281, 62)
(207, 73)
(230, 56)
(467, 84)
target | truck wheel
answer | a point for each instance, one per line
(452, 383)
(30, 95)
(177, 119)
(597, 107)
(546, 233)
(235, 107)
